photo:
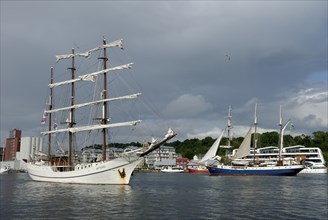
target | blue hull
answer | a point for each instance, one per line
(255, 171)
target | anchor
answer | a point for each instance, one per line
(122, 174)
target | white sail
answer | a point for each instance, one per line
(92, 127)
(245, 146)
(91, 76)
(133, 96)
(282, 135)
(212, 151)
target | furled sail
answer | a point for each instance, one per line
(213, 149)
(117, 43)
(91, 76)
(92, 127)
(245, 146)
(68, 56)
(133, 96)
(155, 145)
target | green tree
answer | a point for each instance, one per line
(190, 147)
(320, 138)
(288, 140)
(269, 139)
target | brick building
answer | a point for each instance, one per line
(13, 144)
(182, 162)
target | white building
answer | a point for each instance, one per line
(163, 153)
(28, 147)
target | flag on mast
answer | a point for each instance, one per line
(44, 117)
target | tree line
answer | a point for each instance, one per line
(190, 147)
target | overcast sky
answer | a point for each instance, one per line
(277, 55)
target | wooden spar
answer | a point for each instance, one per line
(50, 118)
(104, 108)
(71, 121)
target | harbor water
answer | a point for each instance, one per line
(168, 196)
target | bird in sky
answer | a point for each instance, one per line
(228, 56)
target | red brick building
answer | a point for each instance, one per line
(182, 162)
(13, 144)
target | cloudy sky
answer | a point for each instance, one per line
(192, 59)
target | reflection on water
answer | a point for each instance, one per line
(168, 196)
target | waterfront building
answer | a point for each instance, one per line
(13, 144)
(182, 162)
(20, 148)
(2, 153)
(163, 153)
(29, 147)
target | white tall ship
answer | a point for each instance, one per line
(66, 168)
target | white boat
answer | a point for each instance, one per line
(311, 167)
(66, 169)
(199, 166)
(4, 170)
(170, 169)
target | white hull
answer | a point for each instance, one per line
(4, 170)
(172, 171)
(322, 170)
(116, 172)
(168, 170)
(256, 171)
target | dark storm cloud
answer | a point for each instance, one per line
(179, 50)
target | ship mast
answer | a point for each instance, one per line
(50, 116)
(229, 127)
(255, 130)
(71, 115)
(281, 138)
(104, 118)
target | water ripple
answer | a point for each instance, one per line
(168, 196)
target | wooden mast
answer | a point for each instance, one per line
(104, 106)
(280, 142)
(255, 130)
(229, 127)
(50, 116)
(71, 118)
